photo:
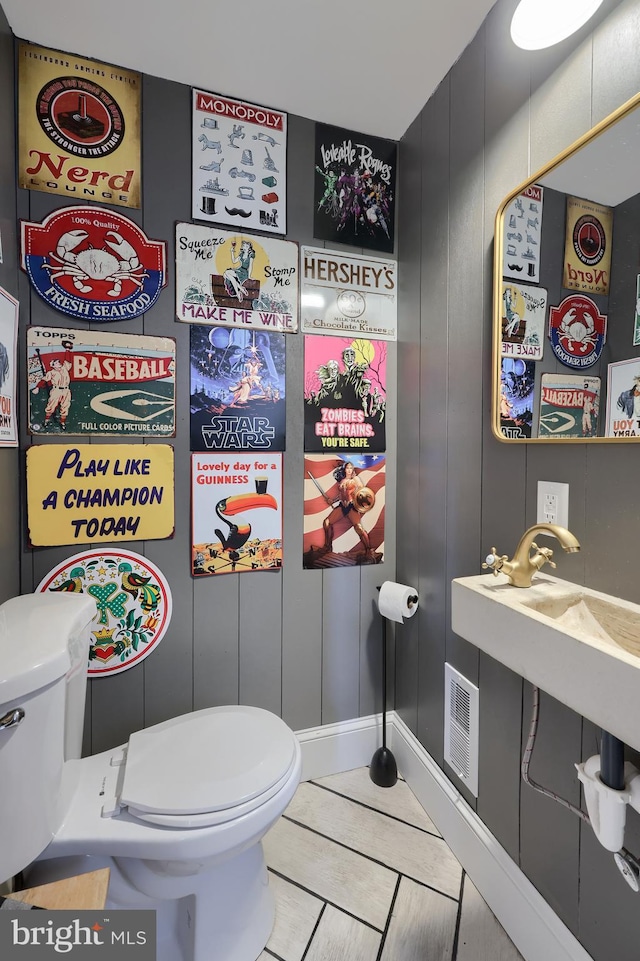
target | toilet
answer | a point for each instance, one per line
(177, 814)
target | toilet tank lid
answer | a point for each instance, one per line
(34, 634)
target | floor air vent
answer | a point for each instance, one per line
(461, 727)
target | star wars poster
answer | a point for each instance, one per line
(9, 309)
(569, 406)
(522, 232)
(344, 502)
(355, 188)
(587, 254)
(343, 294)
(345, 397)
(239, 170)
(623, 399)
(524, 311)
(237, 389)
(236, 280)
(78, 127)
(517, 379)
(96, 382)
(236, 503)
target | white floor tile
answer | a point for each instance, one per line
(481, 937)
(296, 916)
(398, 801)
(329, 871)
(398, 846)
(422, 926)
(340, 937)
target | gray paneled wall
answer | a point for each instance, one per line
(9, 457)
(304, 644)
(498, 116)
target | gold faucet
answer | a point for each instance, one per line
(524, 564)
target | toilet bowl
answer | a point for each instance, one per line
(178, 813)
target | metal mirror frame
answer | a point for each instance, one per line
(589, 136)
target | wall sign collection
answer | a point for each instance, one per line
(242, 293)
(569, 404)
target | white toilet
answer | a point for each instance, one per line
(178, 813)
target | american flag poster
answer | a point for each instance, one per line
(343, 510)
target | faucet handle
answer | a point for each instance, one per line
(494, 561)
(544, 554)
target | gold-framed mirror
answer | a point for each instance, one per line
(566, 305)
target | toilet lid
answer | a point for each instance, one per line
(207, 761)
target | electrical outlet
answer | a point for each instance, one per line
(553, 503)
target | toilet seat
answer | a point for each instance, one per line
(207, 767)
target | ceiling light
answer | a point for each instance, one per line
(541, 23)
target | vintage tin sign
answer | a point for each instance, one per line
(9, 309)
(236, 280)
(78, 127)
(237, 389)
(96, 382)
(236, 501)
(569, 406)
(92, 264)
(623, 399)
(577, 331)
(344, 507)
(355, 187)
(524, 311)
(345, 394)
(517, 381)
(345, 294)
(99, 492)
(133, 605)
(522, 235)
(587, 256)
(239, 166)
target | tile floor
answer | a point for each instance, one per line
(360, 873)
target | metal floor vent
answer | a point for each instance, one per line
(461, 727)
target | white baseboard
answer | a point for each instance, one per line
(334, 748)
(535, 929)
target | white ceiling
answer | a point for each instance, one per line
(367, 65)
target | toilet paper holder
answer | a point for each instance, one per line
(383, 769)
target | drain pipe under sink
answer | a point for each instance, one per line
(609, 784)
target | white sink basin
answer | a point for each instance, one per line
(579, 645)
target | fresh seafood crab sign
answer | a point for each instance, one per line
(93, 264)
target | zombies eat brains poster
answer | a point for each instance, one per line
(355, 185)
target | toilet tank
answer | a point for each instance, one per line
(44, 646)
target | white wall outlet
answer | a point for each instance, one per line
(553, 503)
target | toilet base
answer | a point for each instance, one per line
(224, 913)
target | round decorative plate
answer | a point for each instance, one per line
(133, 605)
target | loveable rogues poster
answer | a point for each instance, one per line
(236, 501)
(355, 188)
(344, 498)
(237, 389)
(345, 397)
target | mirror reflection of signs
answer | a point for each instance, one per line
(577, 331)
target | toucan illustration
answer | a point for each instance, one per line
(239, 534)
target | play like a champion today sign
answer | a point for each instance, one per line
(99, 492)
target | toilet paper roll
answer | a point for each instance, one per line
(397, 601)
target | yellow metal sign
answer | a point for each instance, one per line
(94, 493)
(587, 254)
(78, 127)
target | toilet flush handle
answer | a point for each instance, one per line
(11, 718)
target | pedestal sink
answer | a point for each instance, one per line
(579, 645)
